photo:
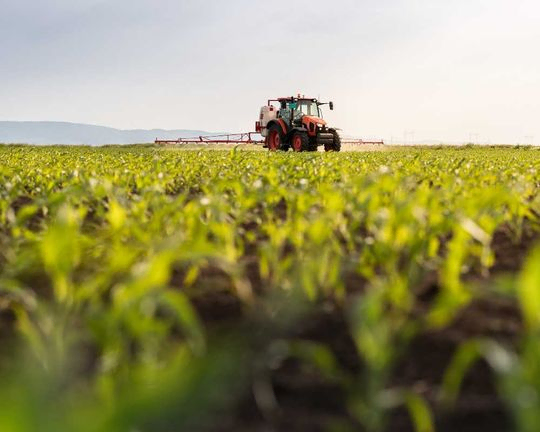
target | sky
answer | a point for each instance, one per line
(402, 70)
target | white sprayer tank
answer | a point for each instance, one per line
(268, 113)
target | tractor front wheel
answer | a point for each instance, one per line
(336, 145)
(300, 142)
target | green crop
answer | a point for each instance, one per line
(156, 289)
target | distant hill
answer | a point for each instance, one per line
(75, 133)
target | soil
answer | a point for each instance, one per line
(307, 401)
(511, 248)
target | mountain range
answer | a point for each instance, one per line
(48, 132)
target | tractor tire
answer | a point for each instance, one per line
(300, 142)
(312, 145)
(274, 139)
(336, 145)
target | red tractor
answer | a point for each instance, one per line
(296, 123)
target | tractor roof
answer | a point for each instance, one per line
(292, 98)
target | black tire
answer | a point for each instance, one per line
(299, 141)
(336, 145)
(312, 146)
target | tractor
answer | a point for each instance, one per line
(297, 123)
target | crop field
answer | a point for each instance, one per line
(148, 289)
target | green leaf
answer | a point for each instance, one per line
(420, 413)
(529, 290)
(187, 317)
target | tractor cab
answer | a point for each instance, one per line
(305, 106)
(300, 107)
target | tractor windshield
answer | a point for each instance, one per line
(309, 108)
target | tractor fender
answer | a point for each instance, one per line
(281, 123)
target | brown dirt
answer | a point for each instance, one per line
(308, 402)
(511, 249)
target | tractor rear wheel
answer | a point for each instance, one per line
(336, 145)
(300, 142)
(274, 139)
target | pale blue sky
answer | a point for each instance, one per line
(446, 70)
